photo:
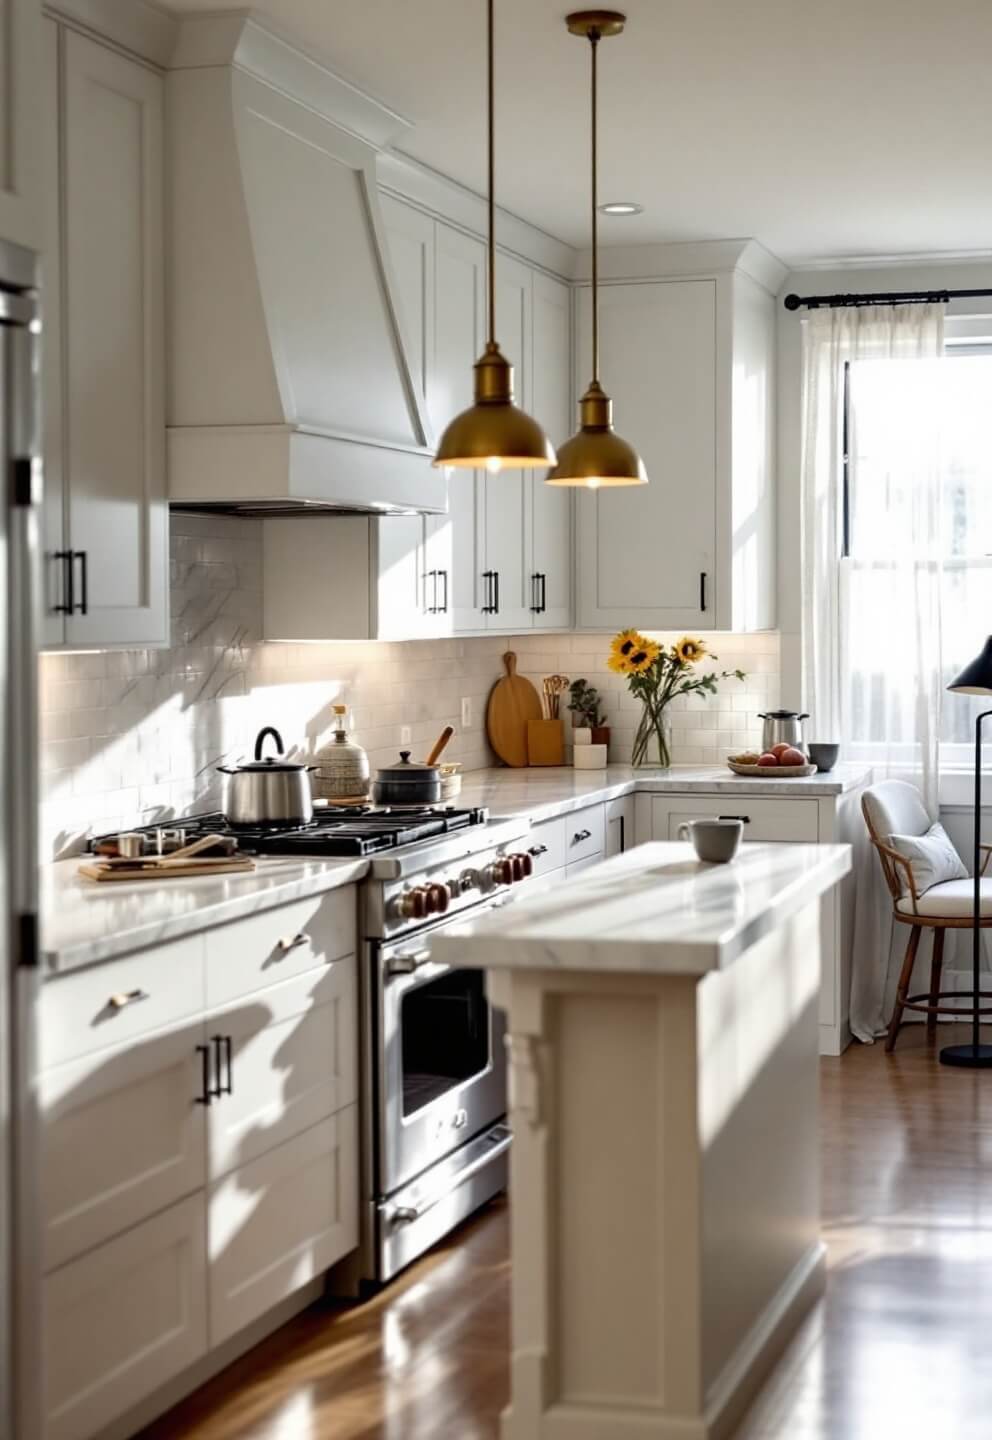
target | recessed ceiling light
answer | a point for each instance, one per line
(621, 207)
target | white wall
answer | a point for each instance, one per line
(130, 736)
(949, 275)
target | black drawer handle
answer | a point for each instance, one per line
(68, 602)
(702, 589)
(444, 592)
(537, 850)
(84, 586)
(222, 1047)
(581, 835)
(744, 819)
(206, 1093)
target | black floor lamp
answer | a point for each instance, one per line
(975, 679)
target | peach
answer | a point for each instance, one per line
(768, 759)
(792, 757)
(779, 750)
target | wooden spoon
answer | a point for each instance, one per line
(440, 744)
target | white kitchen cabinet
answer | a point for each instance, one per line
(123, 1319)
(507, 536)
(355, 577)
(106, 542)
(21, 114)
(764, 819)
(287, 1058)
(280, 1221)
(689, 366)
(122, 1137)
(619, 825)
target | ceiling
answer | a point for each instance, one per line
(825, 130)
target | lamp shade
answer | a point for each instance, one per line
(596, 455)
(494, 433)
(976, 677)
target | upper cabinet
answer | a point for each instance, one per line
(106, 519)
(507, 535)
(20, 116)
(689, 365)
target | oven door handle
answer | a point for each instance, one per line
(409, 1214)
(407, 962)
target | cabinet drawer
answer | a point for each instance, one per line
(80, 1012)
(765, 818)
(578, 866)
(305, 1029)
(123, 1320)
(121, 1138)
(278, 1223)
(585, 833)
(546, 845)
(278, 944)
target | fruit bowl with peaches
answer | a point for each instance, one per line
(781, 762)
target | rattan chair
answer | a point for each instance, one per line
(895, 808)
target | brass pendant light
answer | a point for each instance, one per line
(494, 433)
(596, 456)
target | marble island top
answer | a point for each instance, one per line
(654, 909)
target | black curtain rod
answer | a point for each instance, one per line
(881, 297)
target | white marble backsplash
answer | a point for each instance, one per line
(130, 736)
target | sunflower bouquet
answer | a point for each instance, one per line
(656, 674)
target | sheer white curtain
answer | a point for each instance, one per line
(872, 620)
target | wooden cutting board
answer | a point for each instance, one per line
(512, 703)
(119, 871)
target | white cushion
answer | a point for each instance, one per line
(932, 858)
(952, 900)
(896, 808)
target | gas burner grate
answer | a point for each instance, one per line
(349, 831)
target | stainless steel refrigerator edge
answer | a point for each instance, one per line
(20, 1269)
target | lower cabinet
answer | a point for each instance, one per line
(125, 1318)
(205, 1168)
(279, 1222)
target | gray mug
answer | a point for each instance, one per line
(716, 841)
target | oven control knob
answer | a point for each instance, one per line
(437, 899)
(468, 880)
(413, 904)
(522, 865)
(500, 872)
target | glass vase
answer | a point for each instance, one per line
(653, 740)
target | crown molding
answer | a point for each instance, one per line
(904, 260)
(407, 179)
(238, 39)
(686, 259)
(140, 27)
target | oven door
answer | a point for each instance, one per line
(441, 1059)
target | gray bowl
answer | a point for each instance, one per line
(824, 757)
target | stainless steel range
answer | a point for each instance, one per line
(434, 1130)
(433, 1102)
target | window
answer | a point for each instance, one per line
(916, 564)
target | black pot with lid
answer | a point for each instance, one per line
(408, 782)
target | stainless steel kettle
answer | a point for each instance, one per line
(783, 727)
(273, 791)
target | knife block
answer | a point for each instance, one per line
(545, 742)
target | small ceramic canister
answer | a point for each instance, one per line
(589, 757)
(581, 735)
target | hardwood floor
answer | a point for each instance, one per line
(898, 1348)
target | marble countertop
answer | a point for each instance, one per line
(654, 910)
(84, 923)
(542, 793)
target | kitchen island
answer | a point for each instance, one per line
(663, 1037)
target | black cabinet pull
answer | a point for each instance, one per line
(492, 592)
(495, 592)
(222, 1045)
(535, 600)
(68, 603)
(544, 591)
(444, 591)
(744, 819)
(230, 1068)
(84, 587)
(702, 589)
(206, 1093)
(430, 575)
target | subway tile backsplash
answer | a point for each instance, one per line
(131, 736)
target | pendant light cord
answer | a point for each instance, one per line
(594, 44)
(492, 175)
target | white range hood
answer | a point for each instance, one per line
(289, 384)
